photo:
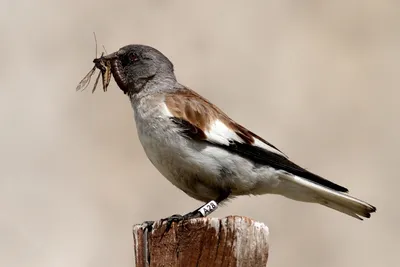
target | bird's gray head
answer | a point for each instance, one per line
(133, 66)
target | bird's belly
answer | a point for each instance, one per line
(186, 169)
(204, 171)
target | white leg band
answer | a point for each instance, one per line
(208, 208)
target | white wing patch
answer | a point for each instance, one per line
(219, 133)
(265, 146)
(165, 110)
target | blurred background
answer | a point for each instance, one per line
(317, 79)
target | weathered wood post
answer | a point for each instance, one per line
(231, 241)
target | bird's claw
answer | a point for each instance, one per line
(170, 220)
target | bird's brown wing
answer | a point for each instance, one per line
(202, 121)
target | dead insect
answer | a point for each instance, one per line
(105, 69)
(104, 66)
(86, 80)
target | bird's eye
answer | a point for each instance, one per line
(133, 57)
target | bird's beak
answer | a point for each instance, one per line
(102, 61)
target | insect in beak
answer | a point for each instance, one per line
(103, 63)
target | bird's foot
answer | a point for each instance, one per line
(176, 218)
(203, 211)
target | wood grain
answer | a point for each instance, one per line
(231, 241)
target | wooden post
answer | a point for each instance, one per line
(231, 241)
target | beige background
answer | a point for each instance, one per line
(318, 80)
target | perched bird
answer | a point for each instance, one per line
(202, 151)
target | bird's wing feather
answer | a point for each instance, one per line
(202, 121)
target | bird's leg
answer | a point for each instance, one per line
(203, 211)
(223, 195)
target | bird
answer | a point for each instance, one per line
(205, 153)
